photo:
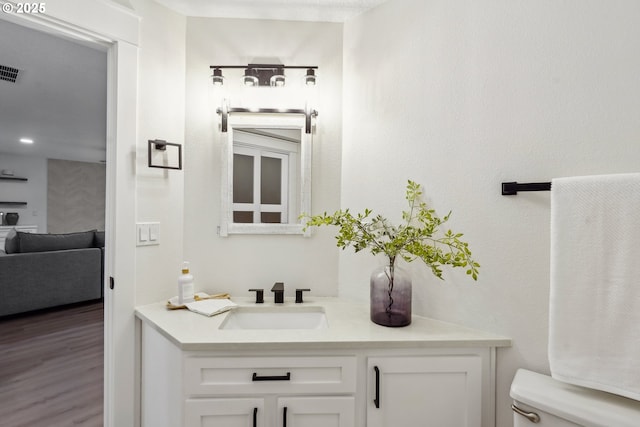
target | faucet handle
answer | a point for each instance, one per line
(299, 295)
(259, 295)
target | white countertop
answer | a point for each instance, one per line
(349, 326)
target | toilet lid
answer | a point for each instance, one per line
(591, 408)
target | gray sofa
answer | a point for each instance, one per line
(47, 270)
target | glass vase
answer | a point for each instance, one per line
(390, 296)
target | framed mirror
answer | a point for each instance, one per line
(266, 174)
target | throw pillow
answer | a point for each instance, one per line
(32, 242)
(12, 242)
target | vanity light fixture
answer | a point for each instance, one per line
(250, 77)
(264, 74)
(310, 77)
(217, 77)
(278, 78)
(26, 140)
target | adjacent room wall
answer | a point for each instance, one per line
(239, 262)
(75, 196)
(462, 95)
(33, 191)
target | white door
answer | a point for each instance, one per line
(435, 391)
(316, 412)
(225, 412)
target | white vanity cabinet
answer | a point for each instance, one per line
(299, 391)
(318, 411)
(314, 411)
(352, 374)
(327, 411)
(437, 390)
(242, 389)
(232, 412)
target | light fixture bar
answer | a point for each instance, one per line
(265, 66)
(226, 110)
(264, 74)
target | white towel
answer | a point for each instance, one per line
(594, 313)
(211, 307)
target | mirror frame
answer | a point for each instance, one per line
(262, 120)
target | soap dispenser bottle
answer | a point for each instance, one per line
(185, 285)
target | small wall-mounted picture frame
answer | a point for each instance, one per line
(164, 155)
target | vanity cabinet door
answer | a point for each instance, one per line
(325, 411)
(426, 390)
(240, 412)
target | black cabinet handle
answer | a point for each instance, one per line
(256, 377)
(284, 417)
(255, 417)
(376, 401)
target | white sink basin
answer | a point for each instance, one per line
(276, 318)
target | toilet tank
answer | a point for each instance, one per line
(541, 401)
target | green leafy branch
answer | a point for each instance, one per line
(414, 238)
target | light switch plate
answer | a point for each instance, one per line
(147, 233)
(154, 232)
(143, 233)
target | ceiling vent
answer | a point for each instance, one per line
(9, 74)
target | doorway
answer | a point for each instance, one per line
(56, 100)
(115, 28)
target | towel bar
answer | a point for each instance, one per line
(512, 188)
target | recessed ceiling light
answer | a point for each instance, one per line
(26, 140)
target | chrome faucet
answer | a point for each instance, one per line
(278, 291)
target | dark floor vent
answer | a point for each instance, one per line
(9, 74)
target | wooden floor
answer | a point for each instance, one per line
(51, 368)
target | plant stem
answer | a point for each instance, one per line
(390, 276)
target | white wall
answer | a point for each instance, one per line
(33, 191)
(239, 262)
(462, 95)
(161, 106)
